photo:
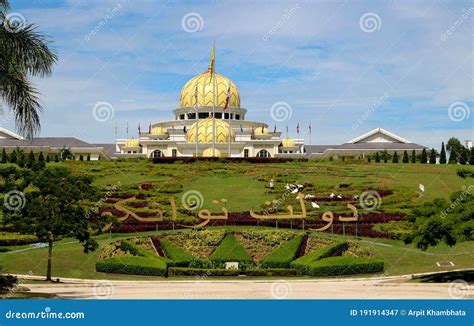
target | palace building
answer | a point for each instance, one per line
(209, 122)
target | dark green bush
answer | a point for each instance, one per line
(14, 239)
(134, 265)
(179, 257)
(269, 272)
(283, 255)
(345, 265)
(126, 245)
(303, 262)
(7, 282)
(203, 272)
(230, 250)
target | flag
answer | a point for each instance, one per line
(263, 128)
(241, 129)
(149, 128)
(196, 97)
(116, 130)
(298, 128)
(310, 128)
(184, 129)
(286, 128)
(212, 63)
(227, 98)
(127, 128)
(275, 129)
(139, 129)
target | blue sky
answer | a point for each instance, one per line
(324, 58)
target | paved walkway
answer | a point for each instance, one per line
(350, 288)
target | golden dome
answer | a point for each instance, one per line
(205, 131)
(132, 142)
(208, 152)
(288, 142)
(260, 131)
(155, 131)
(205, 88)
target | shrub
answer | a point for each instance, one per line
(283, 255)
(134, 265)
(230, 250)
(303, 263)
(203, 272)
(15, 239)
(7, 282)
(269, 272)
(345, 265)
(178, 256)
(135, 250)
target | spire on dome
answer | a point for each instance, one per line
(212, 63)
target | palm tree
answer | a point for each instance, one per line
(24, 53)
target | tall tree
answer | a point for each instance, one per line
(4, 156)
(20, 158)
(433, 156)
(24, 53)
(442, 155)
(377, 157)
(413, 156)
(424, 156)
(471, 156)
(405, 158)
(53, 209)
(395, 157)
(454, 147)
(385, 156)
(30, 162)
(463, 156)
(41, 161)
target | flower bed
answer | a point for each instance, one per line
(178, 256)
(200, 244)
(303, 263)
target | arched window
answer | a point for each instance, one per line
(157, 153)
(263, 153)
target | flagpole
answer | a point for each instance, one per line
(213, 102)
(197, 120)
(228, 114)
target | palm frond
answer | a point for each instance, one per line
(28, 50)
(22, 98)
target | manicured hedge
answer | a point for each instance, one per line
(283, 255)
(135, 250)
(230, 250)
(345, 265)
(272, 272)
(184, 271)
(134, 265)
(15, 239)
(303, 262)
(178, 256)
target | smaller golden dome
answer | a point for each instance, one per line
(260, 131)
(157, 131)
(132, 142)
(288, 142)
(208, 153)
